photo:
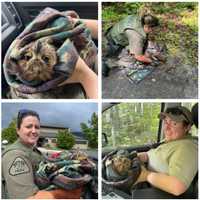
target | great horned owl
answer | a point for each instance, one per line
(121, 164)
(156, 51)
(37, 62)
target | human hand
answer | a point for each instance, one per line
(67, 194)
(80, 72)
(143, 175)
(143, 157)
(143, 58)
(86, 77)
(58, 194)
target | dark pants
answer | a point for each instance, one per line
(109, 48)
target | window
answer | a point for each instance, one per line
(131, 124)
(193, 131)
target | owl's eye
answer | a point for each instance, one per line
(45, 59)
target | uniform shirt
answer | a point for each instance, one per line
(19, 164)
(136, 42)
(177, 158)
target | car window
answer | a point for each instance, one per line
(193, 130)
(132, 124)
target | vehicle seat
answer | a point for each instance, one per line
(194, 111)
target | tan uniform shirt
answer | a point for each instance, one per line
(136, 43)
(18, 167)
(177, 158)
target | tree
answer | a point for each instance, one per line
(131, 124)
(10, 133)
(65, 140)
(91, 131)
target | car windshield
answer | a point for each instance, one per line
(132, 124)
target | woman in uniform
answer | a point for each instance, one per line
(172, 165)
(20, 162)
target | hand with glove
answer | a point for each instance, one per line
(143, 59)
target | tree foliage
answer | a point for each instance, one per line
(131, 124)
(91, 131)
(10, 133)
(65, 140)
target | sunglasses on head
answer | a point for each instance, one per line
(24, 112)
(177, 111)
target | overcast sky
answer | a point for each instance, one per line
(53, 114)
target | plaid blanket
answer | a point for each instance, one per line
(67, 171)
(45, 53)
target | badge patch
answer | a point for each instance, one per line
(19, 166)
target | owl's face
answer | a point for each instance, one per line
(37, 62)
(121, 164)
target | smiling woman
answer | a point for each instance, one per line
(21, 160)
(28, 127)
(173, 165)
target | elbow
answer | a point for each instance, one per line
(178, 192)
(179, 189)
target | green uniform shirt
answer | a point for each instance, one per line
(19, 163)
(129, 32)
(177, 158)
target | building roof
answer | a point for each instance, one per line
(53, 133)
(53, 127)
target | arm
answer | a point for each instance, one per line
(167, 183)
(183, 165)
(58, 194)
(18, 173)
(136, 45)
(88, 79)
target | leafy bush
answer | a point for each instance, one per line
(10, 133)
(91, 131)
(65, 140)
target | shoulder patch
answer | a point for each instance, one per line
(19, 166)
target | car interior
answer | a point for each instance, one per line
(17, 15)
(145, 191)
